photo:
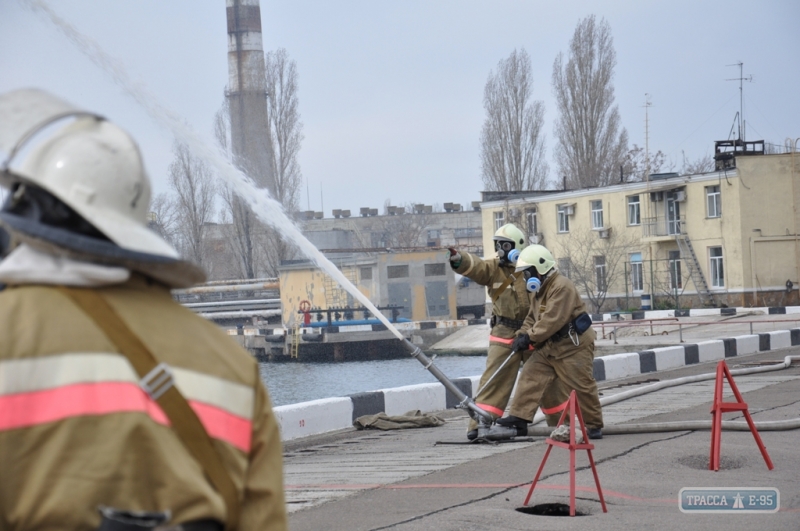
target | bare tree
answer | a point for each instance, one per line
(164, 217)
(590, 146)
(512, 139)
(286, 130)
(241, 232)
(191, 180)
(670, 279)
(702, 164)
(596, 264)
(402, 230)
(636, 166)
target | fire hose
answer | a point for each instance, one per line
(488, 430)
(656, 427)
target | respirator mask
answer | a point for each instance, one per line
(531, 282)
(506, 251)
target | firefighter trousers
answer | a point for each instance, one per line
(494, 398)
(575, 371)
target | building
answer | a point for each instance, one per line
(418, 284)
(399, 227)
(724, 238)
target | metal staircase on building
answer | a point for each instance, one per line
(699, 280)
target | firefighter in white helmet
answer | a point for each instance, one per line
(510, 306)
(560, 332)
(119, 408)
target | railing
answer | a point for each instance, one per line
(615, 325)
(662, 226)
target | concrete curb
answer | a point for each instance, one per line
(329, 414)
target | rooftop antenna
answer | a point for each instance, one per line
(647, 105)
(741, 78)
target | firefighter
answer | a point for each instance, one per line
(119, 408)
(510, 306)
(560, 332)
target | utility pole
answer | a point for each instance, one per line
(647, 105)
(740, 79)
(647, 204)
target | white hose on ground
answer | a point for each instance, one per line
(653, 427)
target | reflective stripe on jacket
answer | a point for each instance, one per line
(77, 430)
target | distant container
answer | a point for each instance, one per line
(646, 302)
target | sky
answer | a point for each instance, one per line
(391, 92)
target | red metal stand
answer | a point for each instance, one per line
(571, 408)
(721, 407)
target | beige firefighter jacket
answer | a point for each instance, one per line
(513, 302)
(77, 431)
(555, 304)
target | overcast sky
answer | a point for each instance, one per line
(391, 92)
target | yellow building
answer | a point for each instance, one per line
(419, 283)
(725, 238)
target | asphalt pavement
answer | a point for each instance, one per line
(404, 480)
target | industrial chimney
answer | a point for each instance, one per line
(247, 93)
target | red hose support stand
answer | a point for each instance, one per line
(571, 408)
(721, 407)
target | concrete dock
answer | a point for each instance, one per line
(372, 480)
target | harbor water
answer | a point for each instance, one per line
(290, 383)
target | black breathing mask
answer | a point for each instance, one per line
(506, 251)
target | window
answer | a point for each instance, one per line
(634, 214)
(637, 276)
(597, 214)
(499, 219)
(675, 277)
(600, 273)
(434, 270)
(472, 232)
(563, 218)
(433, 238)
(717, 269)
(564, 266)
(713, 201)
(397, 271)
(530, 217)
(366, 273)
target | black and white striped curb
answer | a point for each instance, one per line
(328, 414)
(659, 359)
(696, 312)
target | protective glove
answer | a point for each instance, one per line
(455, 257)
(521, 343)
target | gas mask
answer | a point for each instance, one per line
(506, 251)
(531, 282)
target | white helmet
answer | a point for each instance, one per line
(538, 257)
(94, 168)
(508, 242)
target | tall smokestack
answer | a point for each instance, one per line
(247, 93)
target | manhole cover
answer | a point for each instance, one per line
(700, 462)
(549, 509)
